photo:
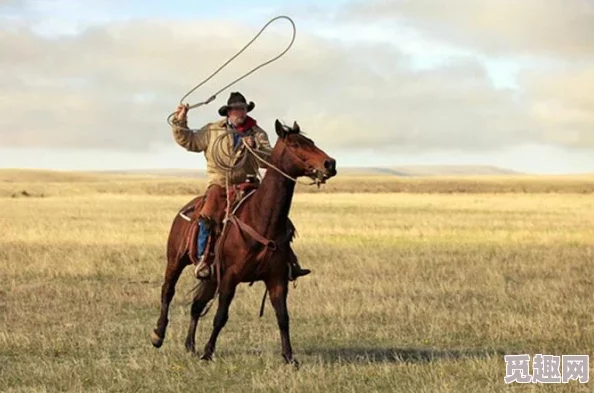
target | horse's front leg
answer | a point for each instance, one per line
(175, 266)
(278, 290)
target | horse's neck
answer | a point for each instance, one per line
(271, 203)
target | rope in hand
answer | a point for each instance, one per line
(214, 96)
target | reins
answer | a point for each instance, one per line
(268, 164)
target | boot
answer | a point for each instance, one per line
(296, 271)
(202, 271)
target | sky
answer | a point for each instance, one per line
(88, 84)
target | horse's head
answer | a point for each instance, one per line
(304, 157)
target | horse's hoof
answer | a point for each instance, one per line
(206, 357)
(156, 340)
(190, 348)
(292, 362)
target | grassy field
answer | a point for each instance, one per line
(411, 292)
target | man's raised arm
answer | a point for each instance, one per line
(188, 139)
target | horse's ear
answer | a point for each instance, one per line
(280, 130)
(296, 127)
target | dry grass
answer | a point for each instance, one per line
(410, 292)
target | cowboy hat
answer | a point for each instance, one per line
(236, 100)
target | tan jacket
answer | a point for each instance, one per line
(217, 144)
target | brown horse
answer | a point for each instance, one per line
(255, 243)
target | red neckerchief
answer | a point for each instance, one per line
(248, 124)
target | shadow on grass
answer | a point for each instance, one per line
(396, 355)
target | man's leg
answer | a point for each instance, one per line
(203, 233)
(211, 215)
(202, 270)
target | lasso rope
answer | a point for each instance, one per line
(214, 96)
(220, 157)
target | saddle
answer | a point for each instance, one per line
(192, 214)
(238, 192)
(235, 193)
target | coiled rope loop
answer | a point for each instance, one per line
(214, 96)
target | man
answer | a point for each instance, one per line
(226, 161)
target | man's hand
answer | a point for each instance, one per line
(249, 140)
(181, 113)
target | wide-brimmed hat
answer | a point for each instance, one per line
(236, 100)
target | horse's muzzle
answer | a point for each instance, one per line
(329, 168)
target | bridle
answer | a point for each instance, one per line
(310, 171)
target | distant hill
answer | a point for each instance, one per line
(402, 171)
(46, 175)
(43, 175)
(451, 170)
(189, 173)
(27, 183)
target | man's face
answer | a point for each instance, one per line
(237, 115)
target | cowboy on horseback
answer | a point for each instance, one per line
(228, 166)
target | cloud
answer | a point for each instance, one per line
(563, 105)
(112, 86)
(563, 28)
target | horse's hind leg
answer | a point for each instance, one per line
(174, 268)
(204, 293)
(227, 292)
